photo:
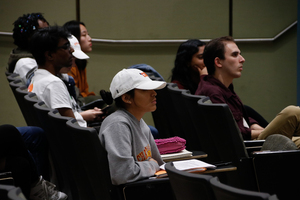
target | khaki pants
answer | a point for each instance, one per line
(287, 123)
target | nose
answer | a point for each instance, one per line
(71, 49)
(89, 38)
(154, 93)
(242, 59)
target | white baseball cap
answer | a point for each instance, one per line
(128, 79)
(77, 49)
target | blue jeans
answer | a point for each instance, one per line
(37, 145)
(154, 132)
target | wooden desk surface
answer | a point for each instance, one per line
(221, 169)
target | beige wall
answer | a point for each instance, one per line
(269, 78)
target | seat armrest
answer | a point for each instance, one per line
(253, 143)
(99, 103)
(267, 152)
(151, 187)
(147, 181)
(253, 146)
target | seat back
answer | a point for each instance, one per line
(15, 84)
(69, 163)
(180, 116)
(223, 191)
(94, 160)
(10, 192)
(42, 114)
(41, 110)
(223, 130)
(12, 77)
(276, 172)
(164, 114)
(199, 127)
(30, 100)
(184, 116)
(190, 186)
(20, 90)
(7, 73)
(20, 94)
(228, 143)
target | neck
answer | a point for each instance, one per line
(223, 79)
(49, 68)
(135, 113)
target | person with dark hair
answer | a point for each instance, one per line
(14, 157)
(224, 62)
(78, 71)
(52, 51)
(189, 65)
(67, 79)
(21, 60)
(131, 150)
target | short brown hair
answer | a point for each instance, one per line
(213, 49)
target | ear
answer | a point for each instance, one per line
(218, 62)
(48, 55)
(126, 98)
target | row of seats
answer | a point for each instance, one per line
(211, 128)
(80, 165)
(198, 186)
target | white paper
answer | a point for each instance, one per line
(190, 164)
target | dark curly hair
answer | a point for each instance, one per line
(24, 28)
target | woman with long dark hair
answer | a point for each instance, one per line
(189, 65)
(78, 71)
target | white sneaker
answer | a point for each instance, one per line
(45, 190)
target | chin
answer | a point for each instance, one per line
(153, 109)
(238, 75)
(87, 50)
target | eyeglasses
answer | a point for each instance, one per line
(66, 46)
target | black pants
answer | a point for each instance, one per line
(18, 160)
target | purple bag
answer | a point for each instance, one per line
(170, 145)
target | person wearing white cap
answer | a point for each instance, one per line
(131, 150)
(79, 71)
(78, 53)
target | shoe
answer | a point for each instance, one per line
(45, 190)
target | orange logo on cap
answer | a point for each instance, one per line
(143, 74)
